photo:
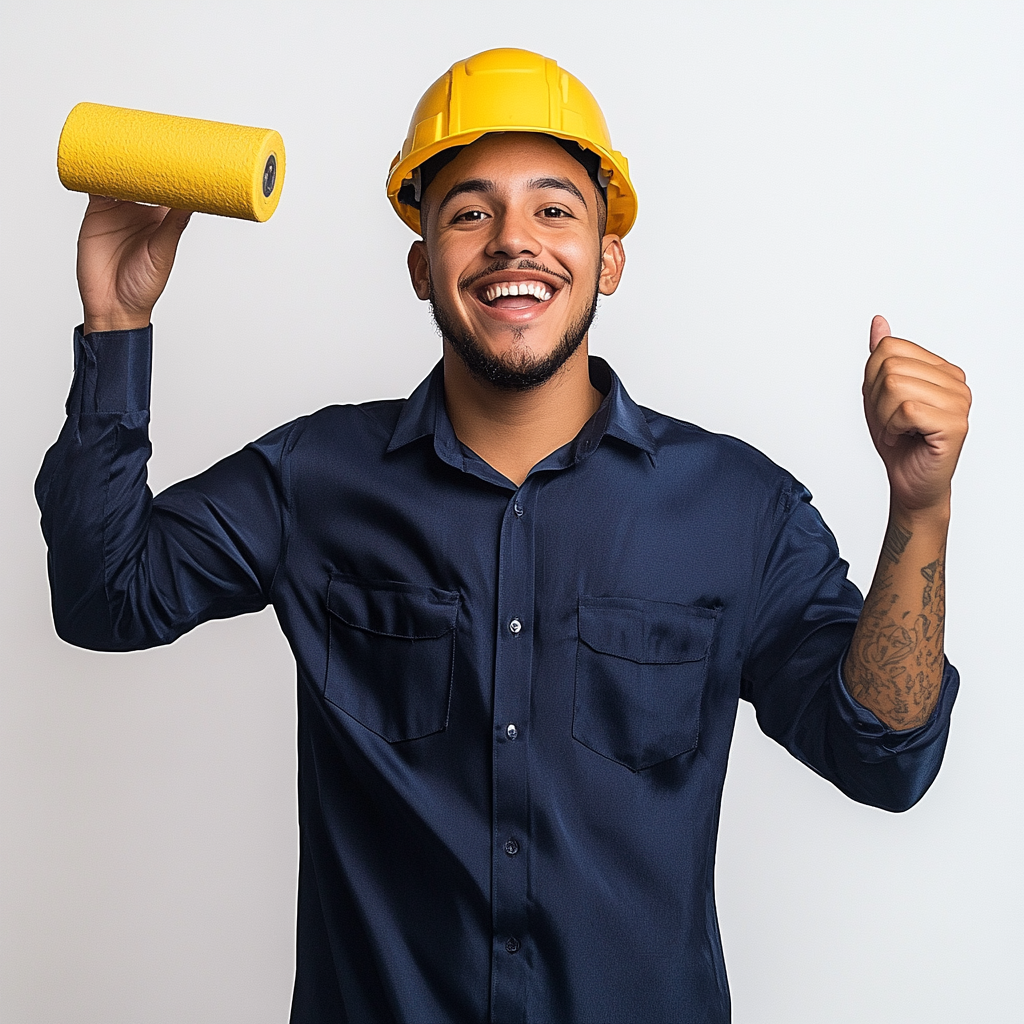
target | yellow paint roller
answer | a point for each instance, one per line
(181, 162)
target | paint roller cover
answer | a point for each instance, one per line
(181, 162)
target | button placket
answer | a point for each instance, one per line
(512, 686)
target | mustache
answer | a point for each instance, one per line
(498, 265)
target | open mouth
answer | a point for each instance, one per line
(515, 294)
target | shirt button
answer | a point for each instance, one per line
(515, 626)
(517, 508)
(511, 732)
(512, 944)
(511, 847)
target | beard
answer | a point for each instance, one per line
(517, 370)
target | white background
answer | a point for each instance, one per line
(800, 167)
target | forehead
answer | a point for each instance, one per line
(507, 159)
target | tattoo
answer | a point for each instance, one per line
(895, 543)
(896, 660)
(929, 572)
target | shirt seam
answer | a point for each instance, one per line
(287, 516)
(106, 529)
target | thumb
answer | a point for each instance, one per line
(879, 330)
(164, 243)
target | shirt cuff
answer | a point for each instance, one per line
(874, 734)
(112, 372)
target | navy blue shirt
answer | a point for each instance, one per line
(515, 703)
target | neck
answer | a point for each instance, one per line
(514, 430)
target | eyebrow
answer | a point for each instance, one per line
(486, 185)
(469, 185)
(560, 183)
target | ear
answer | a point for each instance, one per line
(613, 262)
(419, 269)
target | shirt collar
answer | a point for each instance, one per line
(424, 415)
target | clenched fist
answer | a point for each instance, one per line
(916, 406)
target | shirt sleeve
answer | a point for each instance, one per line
(806, 614)
(127, 570)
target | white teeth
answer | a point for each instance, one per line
(535, 288)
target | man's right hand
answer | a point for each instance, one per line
(125, 255)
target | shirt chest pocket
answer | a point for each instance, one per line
(391, 655)
(640, 672)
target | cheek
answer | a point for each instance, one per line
(582, 258)
(445, 271)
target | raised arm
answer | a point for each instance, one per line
(916, 406)
(128, 570)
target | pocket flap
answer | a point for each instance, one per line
(392, 609)
(647, 632)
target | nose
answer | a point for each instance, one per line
(512, 237)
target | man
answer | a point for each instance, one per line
(522, 607)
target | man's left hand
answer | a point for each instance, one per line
(916, 406)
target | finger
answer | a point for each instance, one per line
(97, 202)
(928, 400)
(897, 388)
(897, 369)
(106, 214)
(922, 419)
(879, 330)
(890, 347)
(164, 242)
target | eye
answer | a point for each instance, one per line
(469, 217)
(554, 212)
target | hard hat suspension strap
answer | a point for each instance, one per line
(411, 193)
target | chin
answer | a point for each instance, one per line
(511, 362)
(517, 351)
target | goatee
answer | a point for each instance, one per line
(518, 370)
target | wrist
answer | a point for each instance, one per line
(115, 322)
(917, 517)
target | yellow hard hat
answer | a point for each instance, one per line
(508, 90)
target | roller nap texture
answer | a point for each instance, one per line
(181, 162)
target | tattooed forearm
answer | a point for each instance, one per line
(895, 543)
(896, 660)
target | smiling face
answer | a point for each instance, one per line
(513, 257)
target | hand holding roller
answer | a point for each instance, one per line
(125, 255)
(181, 162)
